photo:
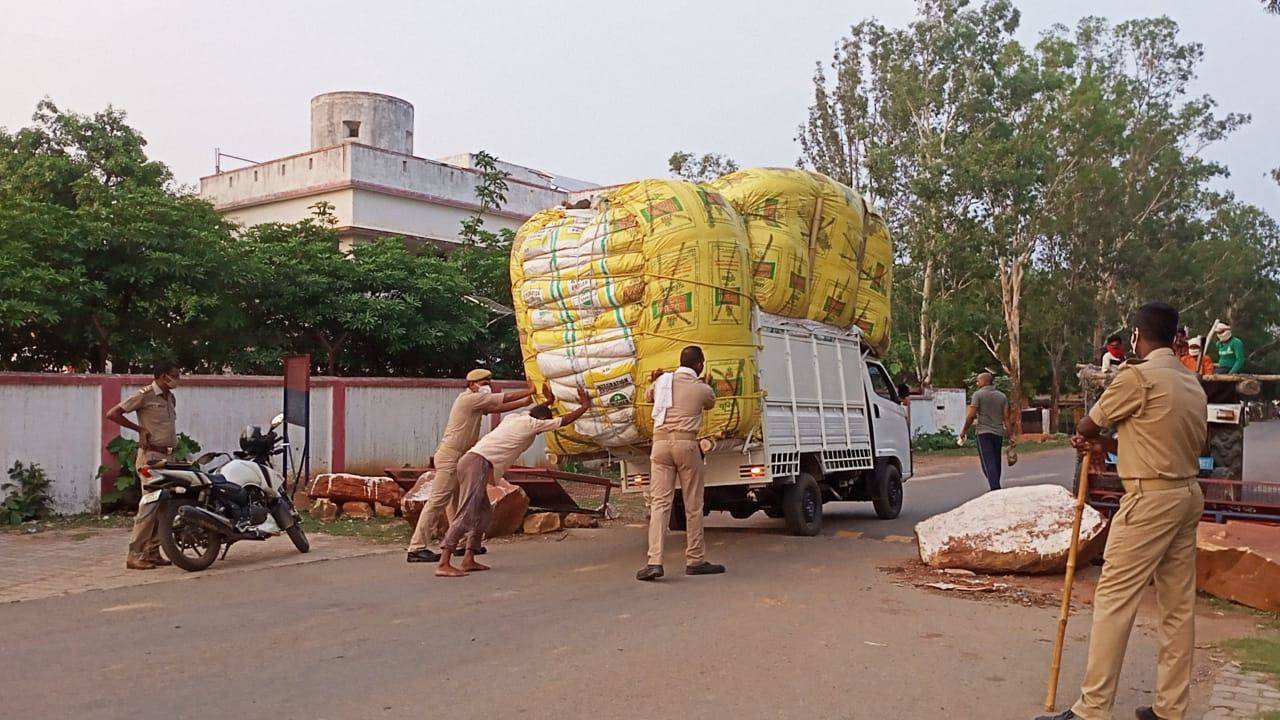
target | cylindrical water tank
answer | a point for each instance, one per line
(367, 118)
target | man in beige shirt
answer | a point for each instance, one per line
(499, 449)
(157, 428)
(1158, 410)
(461, 432)
(679, 399)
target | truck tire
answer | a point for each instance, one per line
(677, 521)
(886, 496)
(802, 506)
(1226, 447)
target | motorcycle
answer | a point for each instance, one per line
(204, 511)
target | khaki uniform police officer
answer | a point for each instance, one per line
(461, 432)
(679, 399)
(1157, 408)
(157, 428)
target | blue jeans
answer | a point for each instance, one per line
(989, 447)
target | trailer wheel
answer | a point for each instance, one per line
(887, 494)
(802, 506)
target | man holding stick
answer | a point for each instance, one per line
(1158, 409)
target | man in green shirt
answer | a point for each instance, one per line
(1230, 351)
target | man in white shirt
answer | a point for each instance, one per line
(499, 449)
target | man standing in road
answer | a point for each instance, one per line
(495, 451)
(1158, 410)
(157, 427)
(461, 432)
(989, 410)
(679, 399)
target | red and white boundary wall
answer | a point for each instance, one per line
(359, 425)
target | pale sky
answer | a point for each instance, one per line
(602, 91)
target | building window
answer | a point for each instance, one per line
(281, 168)
(404, 166)
(231, 180)
(353, 128)
(255, 176)
(310, 162)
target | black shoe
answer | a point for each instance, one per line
(423, 555)
(1064, 715)
(650, 572)
(1146, 713)
(463, 551)
(704, 568)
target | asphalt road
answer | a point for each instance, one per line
(798, 628)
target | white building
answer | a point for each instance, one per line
(362, 163)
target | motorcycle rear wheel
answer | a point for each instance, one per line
(188, 546)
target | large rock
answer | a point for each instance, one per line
(344, 487)
(580, 520)
(416, 498)
(1016, 530)
(1240, 562)
(355, 509)
(510, 504)
(540, 523)
(324, 509)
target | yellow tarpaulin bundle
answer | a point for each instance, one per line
(604, 297)
(817, 252)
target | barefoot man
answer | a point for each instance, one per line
(497, 450)
(460, 434)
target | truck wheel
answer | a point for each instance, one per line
(887, 493)
(677, 522)
(802, 506)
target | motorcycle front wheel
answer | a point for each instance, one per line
(299, 538)
(188, 546)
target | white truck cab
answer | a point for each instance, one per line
(832, 428)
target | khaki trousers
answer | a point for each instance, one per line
(1153, 536)
(144, 540)
(669, 461)
(443, 499)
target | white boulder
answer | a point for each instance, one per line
(1015, 530)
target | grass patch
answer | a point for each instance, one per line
(387, 531)
(1256, 654)
(971, 449)
(85, 521)
(1270, 715)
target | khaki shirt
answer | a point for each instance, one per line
(1159, 412)
(157, 415)
(690, 397)
(463, 429)
(512, 437)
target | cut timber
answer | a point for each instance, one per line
(342, 487)
(1016, 530)
(1240, 562)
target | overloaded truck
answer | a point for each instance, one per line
(782, 276)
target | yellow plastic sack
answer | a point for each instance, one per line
(604, 297)
(875, 285)
(814, 248)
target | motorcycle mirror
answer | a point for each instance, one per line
(277, 421)
(207, 457)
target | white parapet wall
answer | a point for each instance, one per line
(362, 425)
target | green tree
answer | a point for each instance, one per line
(379, 309)
(901, 119)
(112, 264)
(700, 168)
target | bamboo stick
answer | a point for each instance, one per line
(1082, 494)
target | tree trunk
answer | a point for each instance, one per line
(1055, 387)
(924, 363)
(103, 352)
(1010, 270)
